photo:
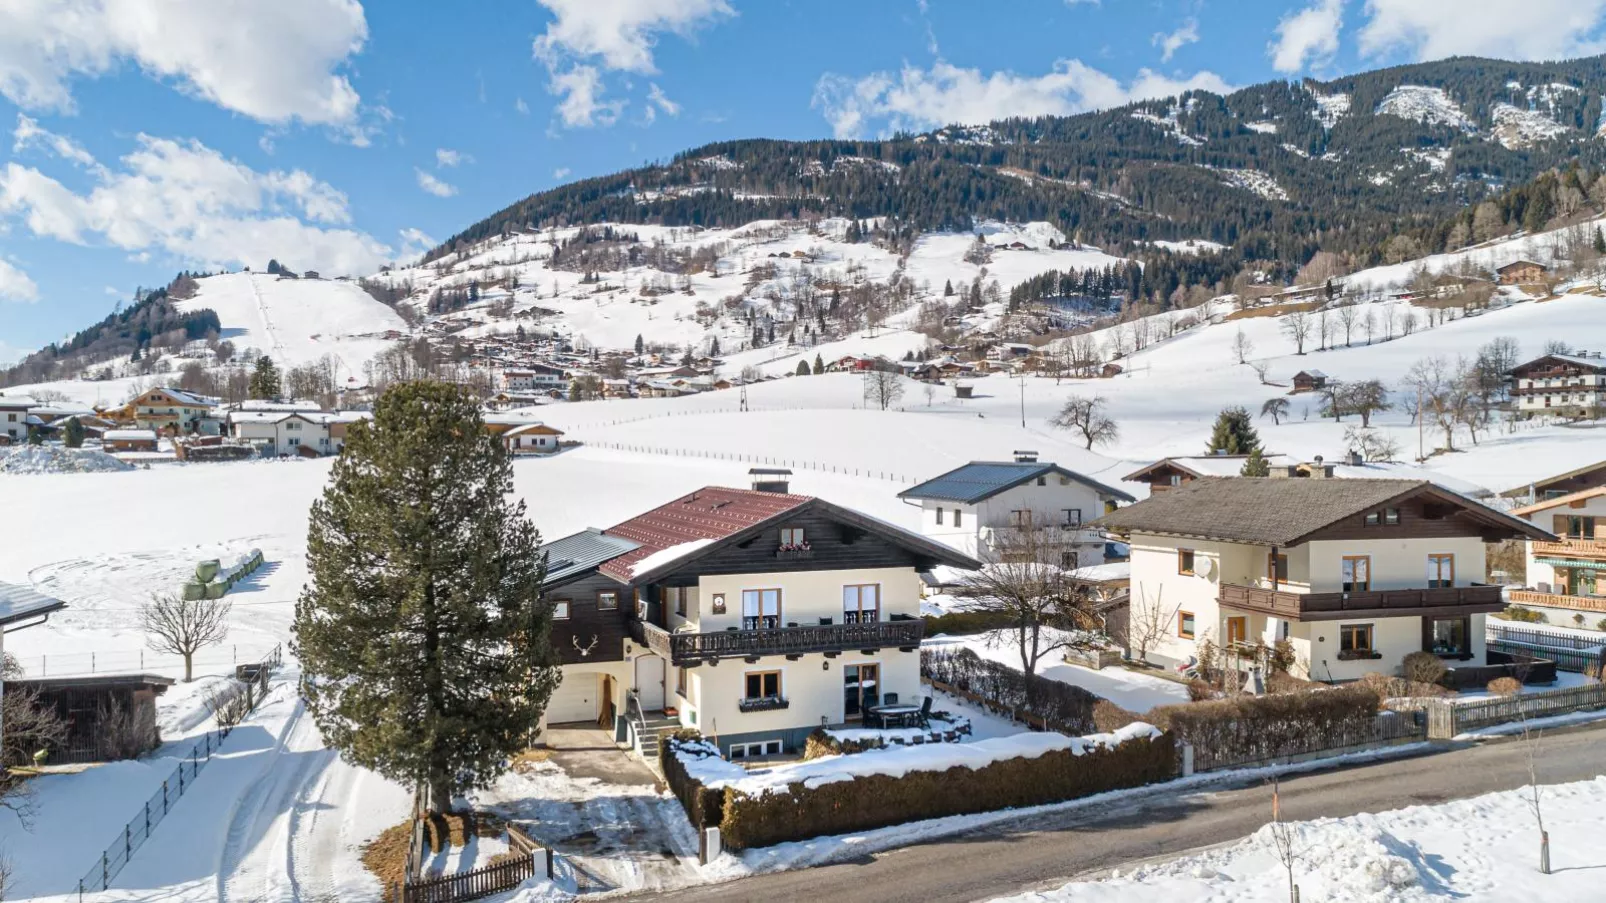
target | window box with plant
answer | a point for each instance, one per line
(793, 544)
(763, 692)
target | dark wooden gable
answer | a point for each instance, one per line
(834, 544)
(588, 622)
(1421, 517)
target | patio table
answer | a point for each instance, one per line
(903, 713)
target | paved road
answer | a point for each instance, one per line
(1044, 852)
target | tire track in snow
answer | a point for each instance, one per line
(318, 831)
(261, 823)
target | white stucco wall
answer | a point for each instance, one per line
(812, 685)
(806, 596)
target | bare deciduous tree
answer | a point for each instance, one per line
(1284, 839)
(1087, 416)
(1275, 408)
(1348, 316)
(1297, 326)
(1025, 582)
(883, 388)
(180, 626)
(1242, 347)
(1148, 624)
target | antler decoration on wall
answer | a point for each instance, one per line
(584, 650)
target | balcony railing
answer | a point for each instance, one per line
(1454, 600)
(1558, 600)
(762, 704)
(694, 648)
(1572, 548)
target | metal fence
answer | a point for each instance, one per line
(138, 829)
(123, 661)
(793, 463)
(1570, 652)
(1387, 729)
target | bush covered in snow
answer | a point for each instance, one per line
(900, 785)
(57, 459)
(1051, 704)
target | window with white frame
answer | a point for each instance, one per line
(755, 749)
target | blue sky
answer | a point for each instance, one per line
(149, 136)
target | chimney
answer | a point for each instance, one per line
(1025, 457)
(1320, 471)
(1355, 459)
(771, 479)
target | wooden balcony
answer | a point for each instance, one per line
(1392, 603)
(1558, 600)
(696, 648)
(1591, 549)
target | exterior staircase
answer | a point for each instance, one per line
(647, 728)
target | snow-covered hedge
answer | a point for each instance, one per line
(684, 753)
(891, 786)
(1050, 704)
(1249, 728)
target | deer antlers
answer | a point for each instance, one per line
(584, 650)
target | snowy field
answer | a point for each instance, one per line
(1483, 849)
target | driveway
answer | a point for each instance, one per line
(601, 809)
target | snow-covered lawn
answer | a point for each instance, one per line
(1131, 690)
(1480, 849)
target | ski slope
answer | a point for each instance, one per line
(299, 321)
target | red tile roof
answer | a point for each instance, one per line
(713, 512)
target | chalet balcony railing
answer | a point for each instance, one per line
(1558, 600)
(1446, 601)
(1572, 548)
(693, 648)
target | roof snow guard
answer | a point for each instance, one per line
(980, 480)
(19, 603)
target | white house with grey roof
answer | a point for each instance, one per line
(1350, 575)
(967, 507)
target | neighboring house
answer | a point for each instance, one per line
(1568, 385)
(128, 440)
(532, 439)
(1353, 574)
(1568, 571)
(1309, 381)
(14, 418)
(1521, 271)
(172, 411)
(498, 424)
(968, 507)
(532, 378)
(753, 616)
(1586, 477)
(283, 432)
(340, 424)
(1167, 473)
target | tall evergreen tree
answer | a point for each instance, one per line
(713, 347)
(819, 365)
(802, 368)
(1233, 434)
(72, 435)
(948, 288)
(265, 379)
(422, 635)
(640, 345)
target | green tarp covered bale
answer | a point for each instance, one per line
(206, 570)
(194, 590)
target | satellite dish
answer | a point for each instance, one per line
(1207, 569)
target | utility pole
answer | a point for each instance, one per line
(1420, 455)
(1023, 399)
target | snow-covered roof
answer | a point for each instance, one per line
(129, 436)
(19, 603)
(260, 405)
(16, 401)
(533, 428)
(186, 398)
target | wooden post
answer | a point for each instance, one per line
(549, 862)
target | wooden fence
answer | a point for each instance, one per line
(1569, 651)
(1447, 720)
(481, 882)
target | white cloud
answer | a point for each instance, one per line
(15, 284)
(561, 173)
(588, 37)
(414, 242)
(924, 98)
(1307, 38)
(657, 97)
(28, 134)
(273, 62)
(520, 107)
(433, 185)
(183, 199)
(1434, 29)
(1169, 44)
(446, 158)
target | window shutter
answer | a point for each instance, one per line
(1558, 524)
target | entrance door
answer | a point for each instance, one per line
(861, 688)
(650, 682)
(1237, 630)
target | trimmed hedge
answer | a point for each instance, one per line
(877, 801)
(1060, 706)
(965, 623)
(1263, 727)
(703, 806)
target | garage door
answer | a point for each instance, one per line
(575, 699)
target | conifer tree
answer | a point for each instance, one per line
(1600, 241)
(72, 435)
(422, 635)
(1233, 434)
(265, 379)
(802, 368)
(640, 345)
(713, 347)
(819, 365)
(948, 288)
(1256, 466)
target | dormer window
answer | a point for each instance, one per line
(792, 539)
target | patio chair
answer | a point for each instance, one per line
(925, 712)
(889, 699)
